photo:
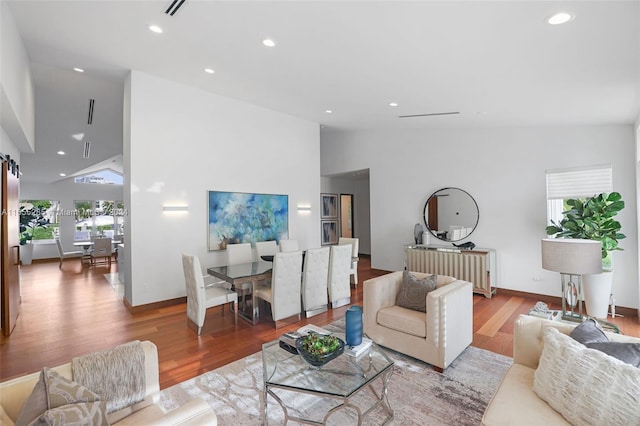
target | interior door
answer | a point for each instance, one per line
(10, 250)
(346, 215)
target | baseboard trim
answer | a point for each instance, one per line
(557, 301)
(151, 306)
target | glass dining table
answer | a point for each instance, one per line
(236, 275)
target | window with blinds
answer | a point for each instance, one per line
(580, 182)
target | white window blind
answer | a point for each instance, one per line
(579, 182)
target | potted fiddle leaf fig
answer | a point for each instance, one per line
(593, 219)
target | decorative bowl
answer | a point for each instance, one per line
(319, 349)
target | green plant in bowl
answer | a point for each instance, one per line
(318, 349)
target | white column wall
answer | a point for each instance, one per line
(504, 170)
(17, 102)
(185, 142)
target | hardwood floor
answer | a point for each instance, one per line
(75, 311)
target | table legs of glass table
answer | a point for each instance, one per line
(381, 400)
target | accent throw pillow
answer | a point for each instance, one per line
(589, 331)
(51, 393)
(625, 352)
(81, 413)
(586, 386)
(413, 291)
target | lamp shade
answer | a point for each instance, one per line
(572, 256)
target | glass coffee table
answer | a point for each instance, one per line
(339, 381)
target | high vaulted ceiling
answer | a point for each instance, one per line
(495, 63)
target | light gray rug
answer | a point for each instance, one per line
(417, 394)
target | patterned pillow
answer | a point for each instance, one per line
(53, 391)
(413, 291)
(81, 413)
(586, 386)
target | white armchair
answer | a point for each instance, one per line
(436, 337)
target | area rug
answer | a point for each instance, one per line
(417, 394)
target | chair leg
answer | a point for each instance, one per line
(235, 312)
(60, 265)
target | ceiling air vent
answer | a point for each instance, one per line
(87, 149)
(429, 115)
(92, 103)
(173, 8)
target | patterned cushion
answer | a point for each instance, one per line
(413, 291)
(586, 386)
(53, 391)
(81, 413)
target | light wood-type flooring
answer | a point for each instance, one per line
(70, 312)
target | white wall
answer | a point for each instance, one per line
(184, 142)
(67, 192)
(361, 208)
(504, 170)
(17, 106)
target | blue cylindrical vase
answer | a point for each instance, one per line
(353, 317)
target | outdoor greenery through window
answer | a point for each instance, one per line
(578, 183)
(39, 220)
(98, 218)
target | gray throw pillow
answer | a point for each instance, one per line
(589, 331)
(413, 291)
(35, 405)
(625, 352)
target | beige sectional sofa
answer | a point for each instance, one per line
(436, 337)
(14, 393)
(516, 402)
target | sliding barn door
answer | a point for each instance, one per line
(10, 250)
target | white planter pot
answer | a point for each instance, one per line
(597, 291)
(26, 254)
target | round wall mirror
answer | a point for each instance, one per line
(451, 214)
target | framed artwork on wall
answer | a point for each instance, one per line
(329, 232)
(240, 217)
(329, 206)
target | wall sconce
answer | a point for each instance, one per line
(175, 208)
(304, 208)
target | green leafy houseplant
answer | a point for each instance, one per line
(592, 219)
(31, 219)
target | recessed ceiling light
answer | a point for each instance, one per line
(268, 42)
(328, 111)
(559, 18)
(156, 29)
(209, 70)
(61, 152)
(393, 104)
(63, 174)
(76, 69)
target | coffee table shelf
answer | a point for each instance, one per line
(339, 380)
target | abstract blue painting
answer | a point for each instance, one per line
(239, 217)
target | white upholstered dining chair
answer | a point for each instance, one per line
(289, 245)
(101, 250)
(355, 243)
(314, 281)
(339, 285)
(237, 254)
(266, 248)
(284, 292)
(67, 254)
(199, 297)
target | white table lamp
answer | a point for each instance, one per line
(572, 258)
